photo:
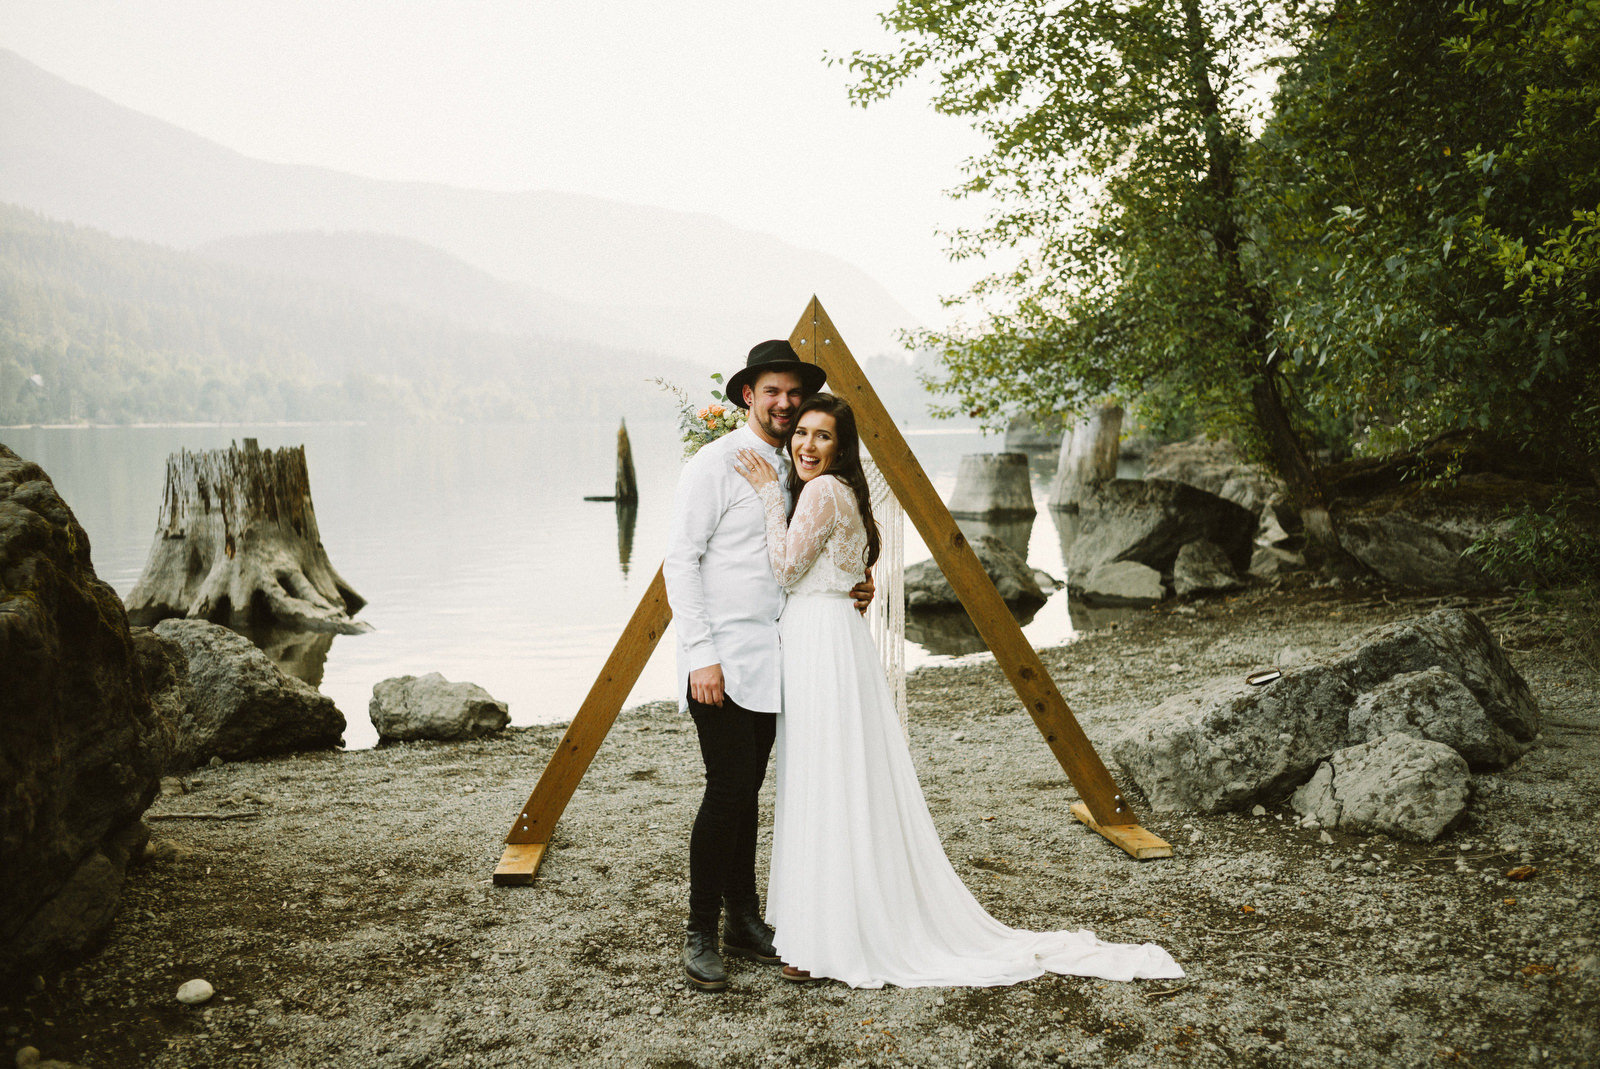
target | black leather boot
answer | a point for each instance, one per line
(702, 963)
(744, 933)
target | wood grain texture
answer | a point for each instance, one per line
(519, 864)
(1141, 844)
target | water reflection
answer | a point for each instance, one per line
(1014, 533)
(302, 654)
(951, 632)
(627, 516)
(1087, 617)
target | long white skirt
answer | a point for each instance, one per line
(860, 888)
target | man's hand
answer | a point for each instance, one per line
(705, 685)
(863, 592)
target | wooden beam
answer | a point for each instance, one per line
(588, 730)
(1135, 840)
(519, 864)
(816, 340)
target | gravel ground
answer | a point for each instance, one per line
(350, 920)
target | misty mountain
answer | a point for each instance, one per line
(110, 329)
(625, 275)
(408, 272)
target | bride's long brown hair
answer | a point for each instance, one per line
(846, 463)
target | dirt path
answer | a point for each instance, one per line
(351, 921)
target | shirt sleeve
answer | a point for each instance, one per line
(697, 508)
(794, 545)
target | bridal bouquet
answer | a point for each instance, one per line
(700, 426)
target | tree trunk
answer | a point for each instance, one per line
(1284, 449)
(237, 544)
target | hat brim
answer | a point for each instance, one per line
(812, 378)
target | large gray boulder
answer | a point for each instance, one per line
(164, 668)
(1037, 434)
(1417, 547)
(1216, 467)
(1270, 562)
(927, 588)
(241, 704)
(81, 747)
(1400, 785)
(1433, 704)
(1458, 642)
(406, 708)
(1203, 568)
(1228, 744)
(1149, 521)
(1123, 583)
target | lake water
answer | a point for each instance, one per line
(474, 547)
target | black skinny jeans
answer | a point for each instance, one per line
(735, 744)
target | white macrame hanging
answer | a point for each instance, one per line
(887, 616)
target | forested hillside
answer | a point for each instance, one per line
(103, 329)
(629, 274)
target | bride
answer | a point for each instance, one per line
(860, 889)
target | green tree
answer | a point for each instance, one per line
(1118, 135)
(1435, 246)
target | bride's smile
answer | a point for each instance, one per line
(813, 445)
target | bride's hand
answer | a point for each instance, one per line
(754, 468)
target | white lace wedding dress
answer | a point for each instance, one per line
(860, 888)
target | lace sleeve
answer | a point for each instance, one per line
(794, 546)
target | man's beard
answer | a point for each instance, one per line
(766, 421)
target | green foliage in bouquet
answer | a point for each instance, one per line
(703, 424)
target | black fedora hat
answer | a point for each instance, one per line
(775, 355)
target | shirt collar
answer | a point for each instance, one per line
(761, 444)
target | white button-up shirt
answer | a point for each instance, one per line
(725, 601)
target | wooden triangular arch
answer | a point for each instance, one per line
(1103, 807)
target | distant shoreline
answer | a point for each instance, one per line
(910, 431)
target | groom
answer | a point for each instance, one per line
(725, 605)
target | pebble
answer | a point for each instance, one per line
(1326, 838)
(27, 1056)
(1258, 811)
(215, 762)
(958, 736)
(194, 992)
(656, 1011)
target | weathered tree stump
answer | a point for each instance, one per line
(627, 483)
(992, 486)
(627, 488)
(1089, 458)
(237, 544)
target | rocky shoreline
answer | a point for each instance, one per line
(341, 906)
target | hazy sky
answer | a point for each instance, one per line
(718, 107)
